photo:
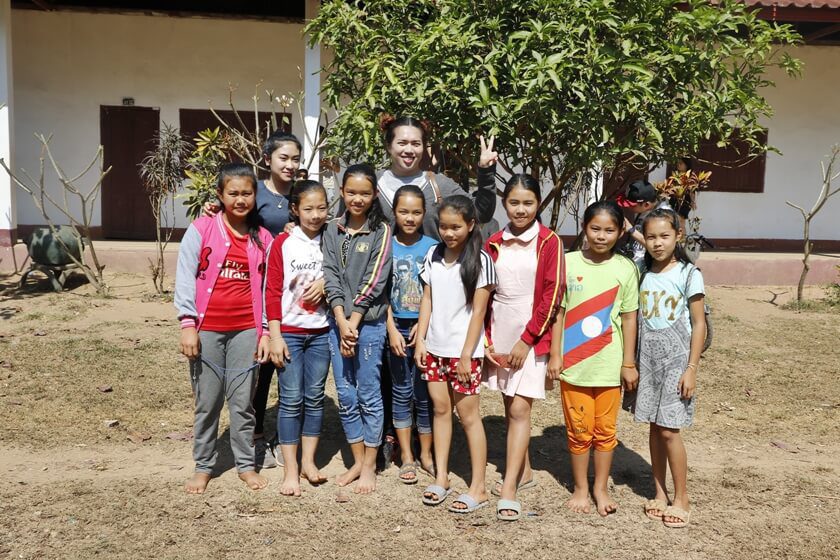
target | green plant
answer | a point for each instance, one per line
(236, 142)
(833, 291)
(566, 86)
(162, 171)
(211, 150)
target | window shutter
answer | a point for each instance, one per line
(731, 171)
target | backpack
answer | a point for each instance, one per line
(707, 311)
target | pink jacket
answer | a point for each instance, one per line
(200, 258)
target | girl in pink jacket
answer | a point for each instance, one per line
(218, 294)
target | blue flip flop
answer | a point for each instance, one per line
(439, 491)
(508, 505)
(471, 503)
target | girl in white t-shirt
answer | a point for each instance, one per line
(449, 348)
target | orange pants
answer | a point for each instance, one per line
(590, 413)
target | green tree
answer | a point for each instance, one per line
(565, 85)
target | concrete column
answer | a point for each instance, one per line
(311, 97)
(8, 207)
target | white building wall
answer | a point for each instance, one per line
(806, 123)
(8, 204)
(68, 64)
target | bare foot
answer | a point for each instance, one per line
(605, 504)
(291, 484)
(349, 475)
(312, 475)
(197, 484)
(367, 481)
(427, 463)
(253, 480)
(579, 502)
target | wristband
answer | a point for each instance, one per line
(633, 366)
(690, 365)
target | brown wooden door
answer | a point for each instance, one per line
(126, 135)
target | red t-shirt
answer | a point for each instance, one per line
(230, 307)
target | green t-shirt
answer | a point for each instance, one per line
(596, 296)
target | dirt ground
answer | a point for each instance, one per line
(763, 470)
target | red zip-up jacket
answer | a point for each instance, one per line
(549, 288)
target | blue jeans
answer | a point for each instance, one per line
(407, 386)
(357, 383)
(301, 387)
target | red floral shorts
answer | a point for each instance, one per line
(445, 369)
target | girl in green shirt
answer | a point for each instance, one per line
(598, 328)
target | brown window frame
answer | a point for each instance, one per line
(737, 174)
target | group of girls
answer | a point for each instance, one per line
(512, 313)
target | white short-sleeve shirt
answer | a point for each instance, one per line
(450, 313)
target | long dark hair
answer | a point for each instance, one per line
(673, 220)
(409, 190)
(375, 214)
(471, 256)
(608, 207)
(252, 220)
(300, 188)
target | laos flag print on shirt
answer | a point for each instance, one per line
(588, 328)
(596, 296)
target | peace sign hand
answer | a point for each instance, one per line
(488, 156)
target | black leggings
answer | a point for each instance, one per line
(264, 378)
(385, 385)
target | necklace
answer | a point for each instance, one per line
(277, 194)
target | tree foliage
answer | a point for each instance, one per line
(564, 85)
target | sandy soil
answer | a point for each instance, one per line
(762, 454)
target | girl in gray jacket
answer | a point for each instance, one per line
(357, 266)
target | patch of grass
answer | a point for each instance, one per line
(32, 316)
(165, 297)
(812, 305)
(56, 381)
(828, 304)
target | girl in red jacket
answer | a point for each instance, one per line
(529, 264)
